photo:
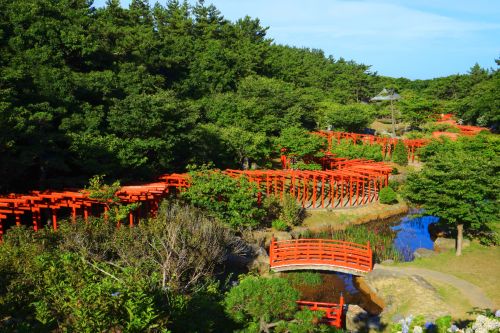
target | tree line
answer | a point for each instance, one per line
(135, 92)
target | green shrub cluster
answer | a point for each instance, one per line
(347, 149)
(387, 195)
(95, 277)
(400, 154)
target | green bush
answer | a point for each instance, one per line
(306, 166)
(347, 149)
(348, 118)
(258, 301)
(292, 213)
(400, 155)
(387, 196)
(232, 201)
(94, 277)
(279, 225)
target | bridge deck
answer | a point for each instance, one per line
(320, 254)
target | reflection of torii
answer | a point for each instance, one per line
(385, 95)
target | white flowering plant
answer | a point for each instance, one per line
(486, 322)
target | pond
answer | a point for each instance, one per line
(413, 233)
(408, 234)
(332, 286)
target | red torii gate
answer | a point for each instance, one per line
(356, 185)
(387, 144)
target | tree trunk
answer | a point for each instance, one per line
(393, 121)
(263, 326)
(460, 237)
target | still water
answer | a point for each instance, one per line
(411, 233)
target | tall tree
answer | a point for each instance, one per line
(460, 184)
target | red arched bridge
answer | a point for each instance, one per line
(320, 254)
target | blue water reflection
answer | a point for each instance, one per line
(413, 233)
(348, 280)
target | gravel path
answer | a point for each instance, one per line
(475, 294)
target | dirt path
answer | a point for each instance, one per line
(473, 293)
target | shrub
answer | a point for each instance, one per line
(349, 118)
(394, 184)
(279, 225)
(306, 166)
(347, 149)
(232, 201)
(387, 196)
(292, 213)
(258, 301)
(400, 155)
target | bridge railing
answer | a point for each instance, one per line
(324, 252)
(333, 312)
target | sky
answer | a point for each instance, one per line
(417, 39)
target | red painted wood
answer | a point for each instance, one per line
(333, 311)
(327, 252)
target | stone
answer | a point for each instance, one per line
(356, 318)
(282, 235)
(260, 263)
(400, 291)
(423, 253)
(387, 262)
(445, 244)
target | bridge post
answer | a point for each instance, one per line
(370, 254)
(36, 219)
(54, 219)
(341, 310)
(271, 251)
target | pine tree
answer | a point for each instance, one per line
(400, 155)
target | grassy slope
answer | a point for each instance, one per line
(478, 265)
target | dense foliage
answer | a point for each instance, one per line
(134, 92)
(387, 195)
(460, 183)
(346, 118)
(347, 149)
(400, 155)
(269, 304)
(95, 277)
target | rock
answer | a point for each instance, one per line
(400, 291)
(387, 262)
(260, 263)
(445, 244)
(423, 253)
(282, 235)
(356, 318)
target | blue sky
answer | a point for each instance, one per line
(418, 39)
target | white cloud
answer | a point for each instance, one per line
(367, 19)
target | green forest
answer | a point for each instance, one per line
(135, 92)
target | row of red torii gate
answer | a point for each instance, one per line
(347, 183)
(341, 183)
